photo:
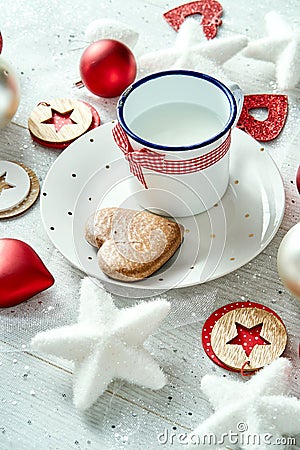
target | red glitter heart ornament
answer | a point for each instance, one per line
(268, 129)
(22, 273)
(210, 10)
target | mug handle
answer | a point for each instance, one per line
(239, 98)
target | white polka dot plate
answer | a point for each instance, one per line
(91, 173)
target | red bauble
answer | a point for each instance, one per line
(298, 179)
(107, 67)
(22, 273)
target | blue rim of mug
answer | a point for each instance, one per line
(190, 73)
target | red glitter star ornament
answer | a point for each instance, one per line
(268, 129)
(210, 10)
(59, 120)
(248, 337)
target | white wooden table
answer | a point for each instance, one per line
(44, 40)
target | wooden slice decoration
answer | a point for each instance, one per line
(60, 121)
(62, 145)
(29, 200)
(14, 185)
(216, 316)
(248, 335)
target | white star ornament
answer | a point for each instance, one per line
(106, 343)
(192, 51)
(260, 410)
(281, 47)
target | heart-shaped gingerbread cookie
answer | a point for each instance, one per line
(132, 244)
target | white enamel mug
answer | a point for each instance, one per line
(189, 178)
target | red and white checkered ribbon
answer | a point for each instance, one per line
(149, 159)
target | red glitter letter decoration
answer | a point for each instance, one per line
(210, 10)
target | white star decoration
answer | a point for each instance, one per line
(192, 51)
(106, 343)
(282, 47)
(258, 407)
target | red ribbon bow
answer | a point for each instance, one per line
(155, 161)
(137, 158)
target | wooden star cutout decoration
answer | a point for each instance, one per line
(4, 184)
(258, 409)
(248, 337)
(281, 47)
(106, 343)
(15, 185)
(59, 119)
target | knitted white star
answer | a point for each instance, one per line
(193, 52)
(282, 47)
(106, 343)
(259, 409)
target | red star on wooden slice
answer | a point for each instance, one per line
(248, 337)
(4, 184)
(59, 119)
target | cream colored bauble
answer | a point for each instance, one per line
(9, 93)
(288, 260)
